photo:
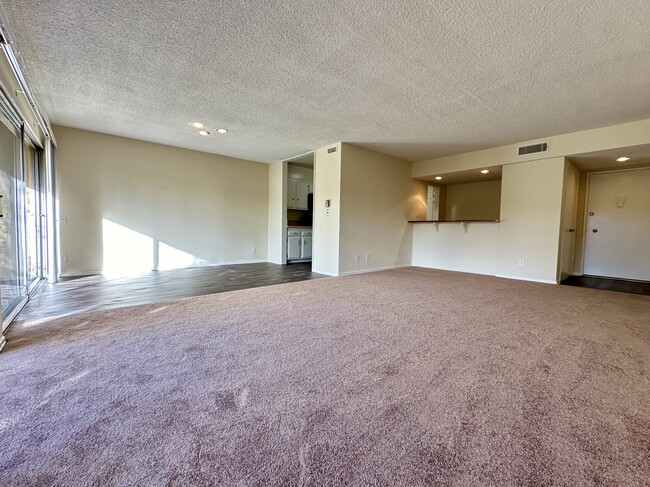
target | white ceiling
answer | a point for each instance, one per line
(411, 79)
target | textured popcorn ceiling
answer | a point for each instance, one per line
(414, 79)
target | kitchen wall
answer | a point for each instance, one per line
(128, 205)
(531, 209)
(326, 224)
(529, 230)
(473, 201)
(452, 247)
(378, 197)
(299, 172)
(531, 200)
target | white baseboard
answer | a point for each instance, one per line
(80, 274)
(235, 262)
(227, 262)
(518, 278)
(375, 269)
(316, 271)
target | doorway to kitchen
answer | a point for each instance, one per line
(299, 208)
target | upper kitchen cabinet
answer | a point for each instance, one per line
(297, 192)
(299, 185)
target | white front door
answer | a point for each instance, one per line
(617, 239)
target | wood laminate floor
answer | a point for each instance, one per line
(92, 293)
(610, 284)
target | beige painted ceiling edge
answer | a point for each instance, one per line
(414, 80)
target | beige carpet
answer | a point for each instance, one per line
(407, 377)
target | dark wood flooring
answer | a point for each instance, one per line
(610, 284)
(92, 293)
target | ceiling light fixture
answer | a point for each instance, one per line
(623, 159)
(198, 125)
(222, 131)
(485, 171)
(438, 178)
(204, 132)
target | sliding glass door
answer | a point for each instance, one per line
(13, 290)
(23, 220)
(33, 215)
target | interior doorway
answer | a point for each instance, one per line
(617, 226)
(298, 204)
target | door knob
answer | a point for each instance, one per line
(595, 230)
(571, 230)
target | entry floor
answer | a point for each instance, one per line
(93, 293)
(610, 284)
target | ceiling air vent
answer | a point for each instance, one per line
(331, 150)
(524, 150)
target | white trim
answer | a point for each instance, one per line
(230, 262)
(530, 279)
(99, 273)
(375, 269)
(324, 273)
(6, 323)
(80, 274)
(3, 342)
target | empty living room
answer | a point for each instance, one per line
(308, 243)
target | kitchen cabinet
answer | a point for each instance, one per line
(299, 244)
(297, 191)
(306, 247)
(293, 246)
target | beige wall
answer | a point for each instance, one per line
(531, 207)
(299, 172)
(531, 198)
(448, 246)
(571, 191)
(529, 229)
(580, 222)
(277, 212)
(191, 207)
(623, 135)
(378, 197)
(326, 224)
(473, 201)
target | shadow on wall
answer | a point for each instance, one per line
(127, 252)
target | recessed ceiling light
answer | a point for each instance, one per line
(438, 178)
(198, 125)
(622, 159)
(485, 171)
(222, 131)
(204, 132)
